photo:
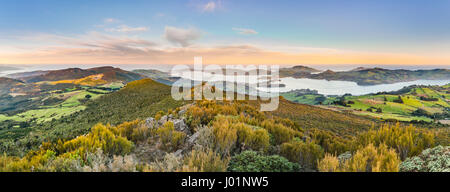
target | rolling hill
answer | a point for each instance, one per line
(6, 84)
(410, 104)
(369, 76)
(110, 74)
(156, 75)
(297, 71)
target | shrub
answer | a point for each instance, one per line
(251, 161)
(230, 135)
(430, 160)
(280, 132)
(367, 159)
(248, 138)
(205, 137)
(201, 114)
(100, 162)
(170, 163)
(407, 141)
(204, 161)
(330, 142)
(135, 130)
(306, 154)
(170, 139)
(103, 149)
(100, 137)
(225, 136)
(329, 164)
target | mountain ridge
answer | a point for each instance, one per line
(372, 76)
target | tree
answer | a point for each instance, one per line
(379, 110)
(398, 100)
(251, 161)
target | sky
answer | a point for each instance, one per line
(400, 32)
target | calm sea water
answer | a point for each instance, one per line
(342, 87)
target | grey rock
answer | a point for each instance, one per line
(179, 125)
(182, 112)
(163, 120)
(150, 122)
(193, 138)
(344, 157)
(178, 152)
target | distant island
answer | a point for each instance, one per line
(367, 76)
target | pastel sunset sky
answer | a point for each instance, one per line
(410, 32)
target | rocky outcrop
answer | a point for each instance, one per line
(149, 151)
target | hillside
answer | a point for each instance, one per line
(309, 117)
(22, 75)
(42, 95)
(146, 97)
(156, 75)
(218, 136)
(419, 103)
(297, 71)
(410, 104)
(110, 74)
(6, 84)
(138, 99)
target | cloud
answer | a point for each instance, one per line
(92, 42)
(136, 51)
(210, 6)
(180, 36)
(111, 20)
(102, 48)
(244, 31)
(127, 29)
(95, 48)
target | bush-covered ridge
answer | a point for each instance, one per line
(225, 136)
(137, 100)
